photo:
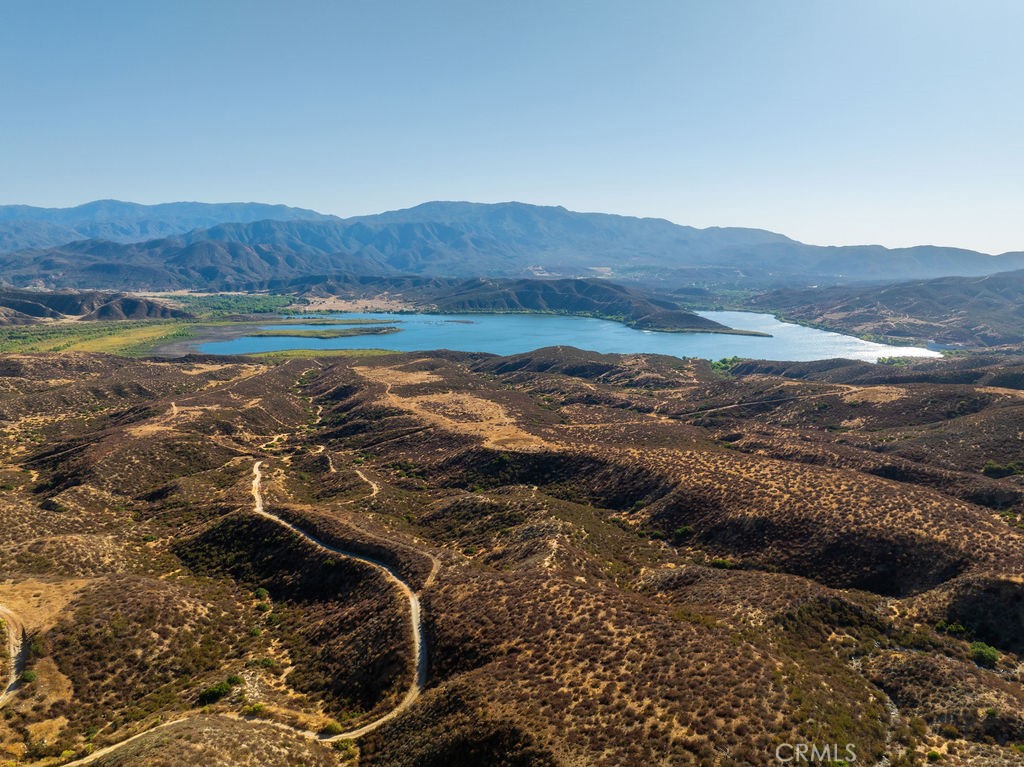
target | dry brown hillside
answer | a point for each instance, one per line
(618, 560)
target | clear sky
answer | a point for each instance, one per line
(891, 121)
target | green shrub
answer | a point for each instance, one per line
(934, 756)
(235, 679)
(29, 676)
(950, 628)
(346, 747)
(213, 693)
(984, 655)
(998, 470)
(36, 648)
(332, 728)
(725, 365)
(261, 593)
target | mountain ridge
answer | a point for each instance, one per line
(28, 226)
(451, 239)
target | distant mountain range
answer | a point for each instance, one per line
(226, 247)
(24, 226)
(970, 311)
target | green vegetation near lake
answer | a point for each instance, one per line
(130, 338)
(221, 304)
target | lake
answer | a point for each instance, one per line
(516, 333)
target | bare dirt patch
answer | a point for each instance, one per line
(40, 602)
(456, 411)
(874, 394)
(382, 303)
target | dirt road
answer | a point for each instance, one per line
(415, 619)
(17, 650)
(415, 624)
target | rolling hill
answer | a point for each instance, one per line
(620, 560)
(969, 311)
(27, 307)
(591, 297)
(594, 297)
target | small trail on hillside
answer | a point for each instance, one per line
(415, 618)
(374, 487)
(17, 652)
(415, 623)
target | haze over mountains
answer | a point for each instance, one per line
(24, 226)
(116, 245)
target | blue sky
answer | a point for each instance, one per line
(891, 121)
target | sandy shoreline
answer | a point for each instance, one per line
(203, 334)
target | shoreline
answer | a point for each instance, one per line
(202, 334)
(220, 331)
(214, 331)
(893, 341)
(724, 330)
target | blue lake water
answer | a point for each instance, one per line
(516, 333)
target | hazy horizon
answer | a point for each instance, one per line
(500, 202)
(880, 122)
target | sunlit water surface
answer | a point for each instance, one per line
(516, 333)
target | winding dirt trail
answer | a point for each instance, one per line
(415, 624)
(17, 649)
(415, 619)
(374, 487)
